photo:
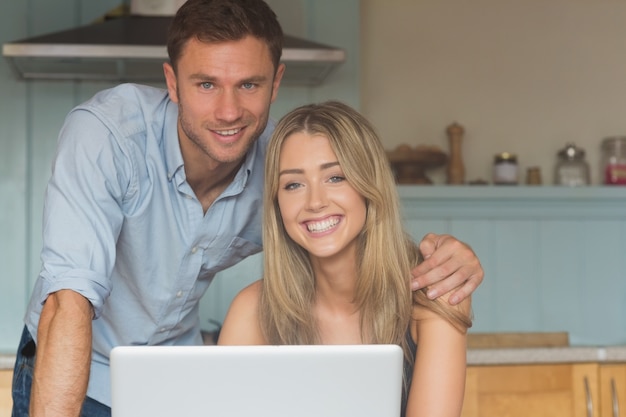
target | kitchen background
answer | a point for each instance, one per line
(524, 77)
(521, 76)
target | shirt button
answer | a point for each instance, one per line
(194, 249)
(162, 329)
(179, 294)
(188, 197)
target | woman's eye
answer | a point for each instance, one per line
(291, 186)
(336, 178)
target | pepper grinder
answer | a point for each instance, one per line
(456, 169)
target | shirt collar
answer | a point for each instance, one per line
(173, 156)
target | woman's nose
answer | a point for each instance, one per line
(317, 198)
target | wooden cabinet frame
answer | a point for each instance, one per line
(546, 390)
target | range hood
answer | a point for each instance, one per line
(132, 48)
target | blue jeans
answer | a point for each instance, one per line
(23, 380)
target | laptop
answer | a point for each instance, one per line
(259, 381)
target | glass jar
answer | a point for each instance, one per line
(571, 169)
(505, 169)
(614, 160)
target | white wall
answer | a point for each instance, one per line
(524, 76)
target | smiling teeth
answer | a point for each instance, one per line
(322, 226)
(228, 132)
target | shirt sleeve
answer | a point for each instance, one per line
(83, 211)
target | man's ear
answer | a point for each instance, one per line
(170, 80)
(280, 71)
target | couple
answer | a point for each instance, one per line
(154, 192)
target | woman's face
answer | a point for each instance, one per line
(320, 209)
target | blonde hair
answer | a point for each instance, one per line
(386, 254)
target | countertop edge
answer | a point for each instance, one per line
(507, 356)
(7, 362)
(515, 356)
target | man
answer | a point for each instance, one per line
(152, 193)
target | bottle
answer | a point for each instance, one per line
(614, 160)
(505, 169)
(571, 169)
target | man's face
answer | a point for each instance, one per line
(223, 91)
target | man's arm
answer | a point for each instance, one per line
(448, 264)
(63, 356)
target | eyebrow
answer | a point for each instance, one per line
(300, 171)
(257, 79)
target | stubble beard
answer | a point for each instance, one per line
(195, 137)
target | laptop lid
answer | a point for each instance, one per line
(260, 381)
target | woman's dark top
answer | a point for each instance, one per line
(408, 371)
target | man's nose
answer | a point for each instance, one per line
(228, 106)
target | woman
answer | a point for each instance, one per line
(337, 260)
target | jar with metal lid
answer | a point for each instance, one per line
(505, 169)
(571, 169)
(614, 160)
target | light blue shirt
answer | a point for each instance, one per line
(123, 227)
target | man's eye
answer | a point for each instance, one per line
(206, 85)
(248, 86)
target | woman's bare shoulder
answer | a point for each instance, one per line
(241, 325)
(247, 299)
(251, 290)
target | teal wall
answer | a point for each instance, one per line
(553, 257)
(31, 114)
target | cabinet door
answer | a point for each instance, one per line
(6, 402)
(613, 390)
(568, 390)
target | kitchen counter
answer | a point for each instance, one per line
(570, 354)
(6, 361)
(505, 356)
